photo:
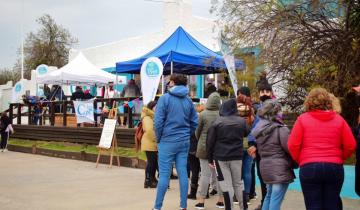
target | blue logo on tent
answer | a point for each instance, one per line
(17, 88)
(42, 69)
(152, 69)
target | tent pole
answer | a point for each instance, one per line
(162, 84)
(216, 80)
(116, 85)
(172, 67)
(203, 89)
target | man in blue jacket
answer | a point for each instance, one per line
(175, 121)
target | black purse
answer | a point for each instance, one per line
(294, 164)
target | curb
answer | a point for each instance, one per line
(104, 159)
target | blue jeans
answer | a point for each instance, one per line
(168, 154)
(274, 196)
(321, 184)
(246, 171)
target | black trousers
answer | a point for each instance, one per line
(151, 165)
(194, 165)
(252, 187)
(321, 184)
(263, 185)
(4, 139)
(357, 175)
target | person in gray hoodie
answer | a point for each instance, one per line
(276, 165)
(206, 118)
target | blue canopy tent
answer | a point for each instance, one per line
(180, 53)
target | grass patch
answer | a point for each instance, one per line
(71, 147)
(21, 142)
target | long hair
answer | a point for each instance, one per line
(245, 108)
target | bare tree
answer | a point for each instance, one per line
(9, 75)
(304, 43)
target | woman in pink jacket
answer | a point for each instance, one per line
(319, 142)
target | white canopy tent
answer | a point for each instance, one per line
(80, 72)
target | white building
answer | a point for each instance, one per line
(175, 13)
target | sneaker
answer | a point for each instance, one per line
(235, 201)
(213, 192)
(200, 206)
(253, 196)
(220, 205)
(182, 208)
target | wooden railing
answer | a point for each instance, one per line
(66, 107)
(52, 111)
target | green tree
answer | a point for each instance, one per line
(304, 43)
(50, 45)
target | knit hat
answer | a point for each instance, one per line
(263, 83)
(244, 90)
(270, 109)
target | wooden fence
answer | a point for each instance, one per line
(82, 135)
(51, 111)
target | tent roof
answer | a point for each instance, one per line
(187, 54)
(80, 71)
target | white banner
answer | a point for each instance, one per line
(41, 70)
(151, 71)
(230, 65)
(229, 62)
(84, 111)
(17, 90)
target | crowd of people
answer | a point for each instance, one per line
(221, 145)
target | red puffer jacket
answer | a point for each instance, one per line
(321, 136)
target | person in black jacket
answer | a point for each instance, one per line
(224, 146)
(5, 121)
(78, 94)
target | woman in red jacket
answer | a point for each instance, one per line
(319, 142)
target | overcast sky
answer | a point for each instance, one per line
(93, 22)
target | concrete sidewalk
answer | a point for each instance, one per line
(33, 182)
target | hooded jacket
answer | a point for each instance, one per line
(206, 118)
(276, 164)
(148, 140)
(225, 137)
(321, 136)
(175, 116)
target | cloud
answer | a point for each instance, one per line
(93, 22)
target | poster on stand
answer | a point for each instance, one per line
(151, 71)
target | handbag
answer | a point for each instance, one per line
(294, 164)
(9, 129)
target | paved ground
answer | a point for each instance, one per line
(33, 182)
